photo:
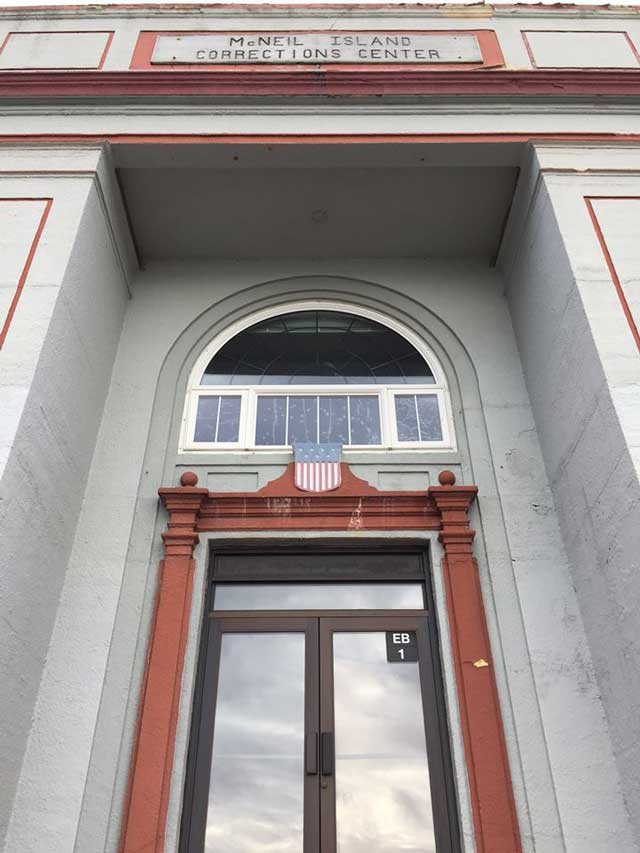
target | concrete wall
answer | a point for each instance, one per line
(54, 372)
(544, 671)
(556, 460)
(226, 116)
(582, 368)
(69, 39)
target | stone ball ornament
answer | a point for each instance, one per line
(189, 479)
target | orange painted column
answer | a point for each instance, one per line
(494, 814)
(153, 754)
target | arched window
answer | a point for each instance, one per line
(316, 376)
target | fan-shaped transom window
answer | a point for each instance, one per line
(317, 376)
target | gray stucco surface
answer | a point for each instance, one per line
(578, 354)
(78, 317)
(544, 672)
(545, 391)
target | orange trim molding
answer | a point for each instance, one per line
(530, 52)
(101, 60)
(358, 81)
(355, 505)
(4, 329)
(628, 313)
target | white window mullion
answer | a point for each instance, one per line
(215, 434)
(415, 406)
(249, 398)
(389, 418)
(248, 415)
(286, 420)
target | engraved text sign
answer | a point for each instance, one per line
(318, 48)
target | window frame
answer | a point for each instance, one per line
(249, 393)
(248, 410)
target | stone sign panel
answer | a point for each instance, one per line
(324, 48)
(54, 50)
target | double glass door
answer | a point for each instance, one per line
(319, 732)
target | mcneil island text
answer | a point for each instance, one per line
(280, 48)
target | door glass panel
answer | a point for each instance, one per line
(383, 800)
(256, 788)
(319, 596)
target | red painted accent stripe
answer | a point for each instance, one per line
(311, 138)
(109, 33)
(331, 81)
(27, 265)
(529, 48)
(609, 260)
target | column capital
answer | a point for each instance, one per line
(453, 503)
(183, 503)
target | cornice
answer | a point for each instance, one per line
(293, 11)
(96, 86)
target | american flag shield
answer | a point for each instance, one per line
(317, 467)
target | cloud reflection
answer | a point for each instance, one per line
(383, 801)
(319, 596)
(382, 780)
(256, 792)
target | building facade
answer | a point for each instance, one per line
(405, 235)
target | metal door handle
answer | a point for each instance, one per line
(311, 753)
(326, 753)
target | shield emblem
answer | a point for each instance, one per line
(317, 467)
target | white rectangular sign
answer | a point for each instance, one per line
(318, 48)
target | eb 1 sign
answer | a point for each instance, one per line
(402, 646)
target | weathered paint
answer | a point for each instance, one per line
(556, 519)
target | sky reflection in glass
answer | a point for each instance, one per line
(383, 800)
(319, 596)
(256, 790)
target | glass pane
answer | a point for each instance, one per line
(383, 800)
(256, 789)
(206, 419)
(229, 419)
(334, 420)
(309, 347)
(319, 596)
(406, 417)
(303, 419)
(271, 420)
(429, 418)
(365, 420)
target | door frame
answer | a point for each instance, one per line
(353, 509)
(319, 822)
(202, 731)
